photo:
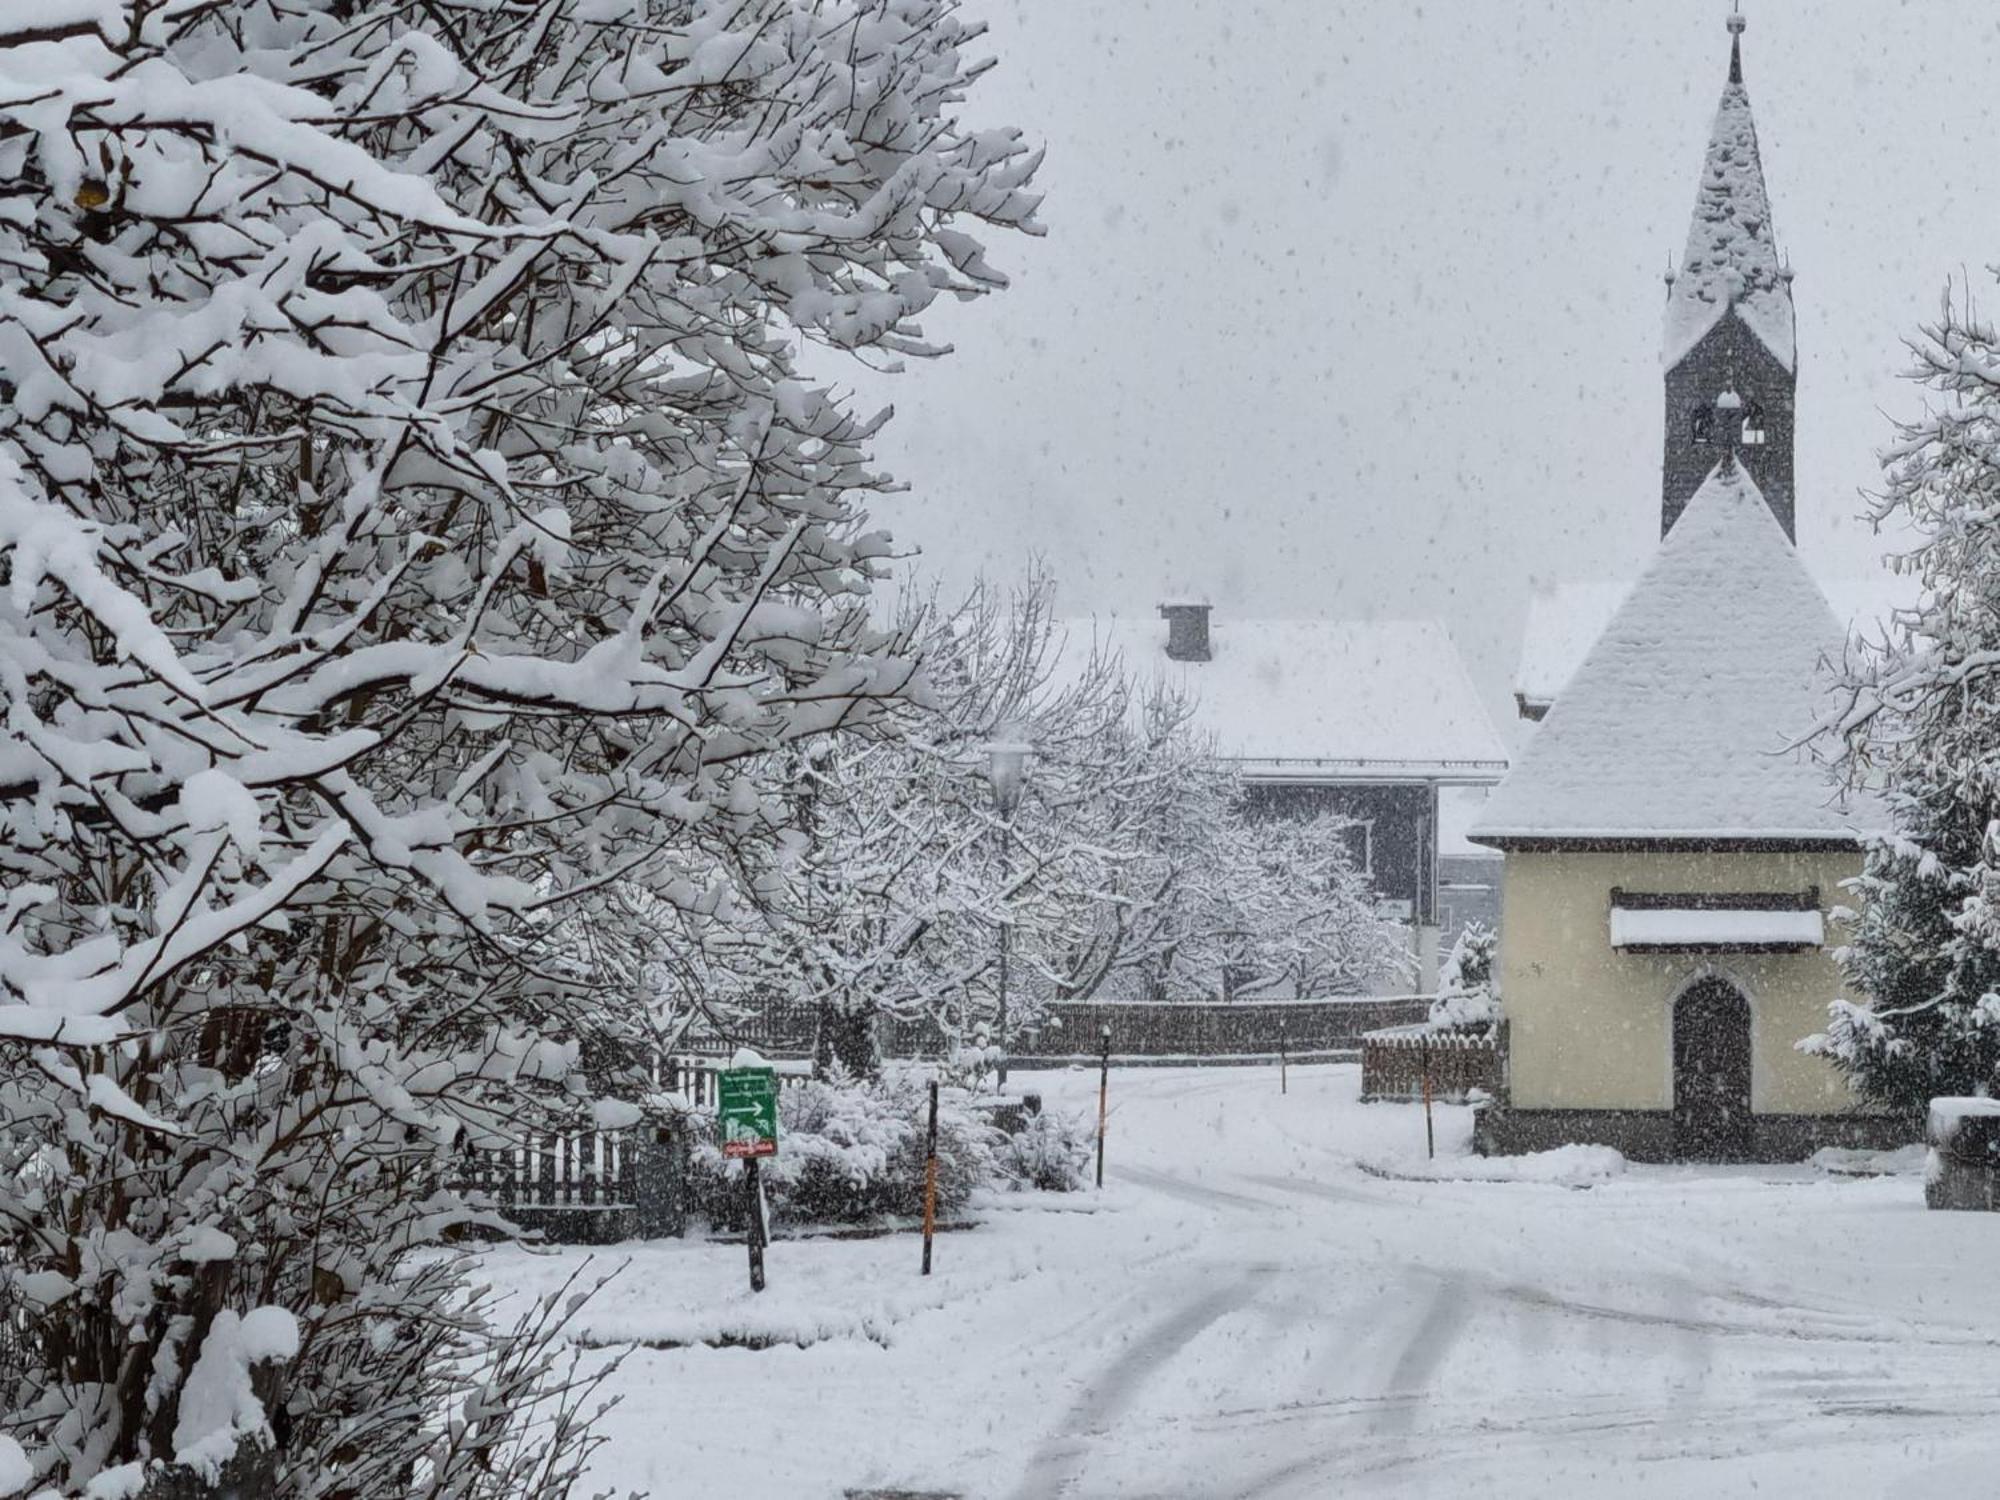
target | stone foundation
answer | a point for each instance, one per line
(1647, 1135)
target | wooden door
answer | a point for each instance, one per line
(1712, 1073)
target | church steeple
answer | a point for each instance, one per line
(1729, 348)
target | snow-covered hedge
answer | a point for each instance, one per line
(851, 1153)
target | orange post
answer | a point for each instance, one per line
(1430, 1135)
(1103, 1099)
(930, 1181)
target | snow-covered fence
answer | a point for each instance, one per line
(693, 1076)
(1214, 1032)
(1395, 1059)
(1963, 1170)
(597, 1187)
(589, 1187)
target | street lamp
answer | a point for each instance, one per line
(1007, 771)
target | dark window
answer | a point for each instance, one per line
(1701, 425)
(1360, 839)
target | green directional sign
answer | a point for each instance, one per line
(748, 1098)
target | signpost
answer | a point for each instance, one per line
(747, 1101)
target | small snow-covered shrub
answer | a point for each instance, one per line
(849, 1153)
(1468, 997)
(1051, 1151)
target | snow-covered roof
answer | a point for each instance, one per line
(1678, 724)
(1339, 699)
(1716, 927)
(1562, 624)
(1732, 252)
(1564, 621)
(1459, 808)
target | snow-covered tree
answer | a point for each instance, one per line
(1923, 723)
(1132, 863)
(418, 539)
(1468, 996)
(917, 885)
(1251, 905)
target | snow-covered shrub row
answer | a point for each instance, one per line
(421, 552)
(852, 1152)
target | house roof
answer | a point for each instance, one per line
(1681, 724)
(1731, 264)
(1564, 621)
(1320, 699)
(1459, 808)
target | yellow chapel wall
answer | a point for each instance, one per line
(1589, 1027)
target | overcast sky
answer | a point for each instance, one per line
(1354, 308)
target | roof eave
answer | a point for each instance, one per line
(1626, 842)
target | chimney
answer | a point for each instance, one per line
(1187, 631)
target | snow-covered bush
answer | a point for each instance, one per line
(1468, 996)
(851, 1152)
(1050, 1151)
(417, 535)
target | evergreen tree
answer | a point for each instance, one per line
(1922, 722)
(1468, 996)
(1931, 1025)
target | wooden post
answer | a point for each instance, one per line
(1103, 1098)
(1284, 1060)
(753, 1188)
(930, 1180)
(1430, 1135)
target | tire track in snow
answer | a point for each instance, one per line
(1329, 1192)
(1391, 1413)
(1189, 1191)
(1054, 1467)
(1886, 1335)
(1444, 1320)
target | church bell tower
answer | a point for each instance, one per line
(1729, 350)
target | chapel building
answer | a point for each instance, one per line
(1672, 852)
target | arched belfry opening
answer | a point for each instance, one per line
(1712, 1060)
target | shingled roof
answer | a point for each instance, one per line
(1681, 724)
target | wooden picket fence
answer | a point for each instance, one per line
(693, 1076)
(596, 1187)
(581, 1170)
(1395, 1059)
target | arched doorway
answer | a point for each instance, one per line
(1712, 1072)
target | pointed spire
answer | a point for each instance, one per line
(1732, 252)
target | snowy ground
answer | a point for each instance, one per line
(1255, 1309)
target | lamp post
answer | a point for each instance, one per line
(1007, 771)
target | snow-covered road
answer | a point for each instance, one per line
(1256, 1309)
